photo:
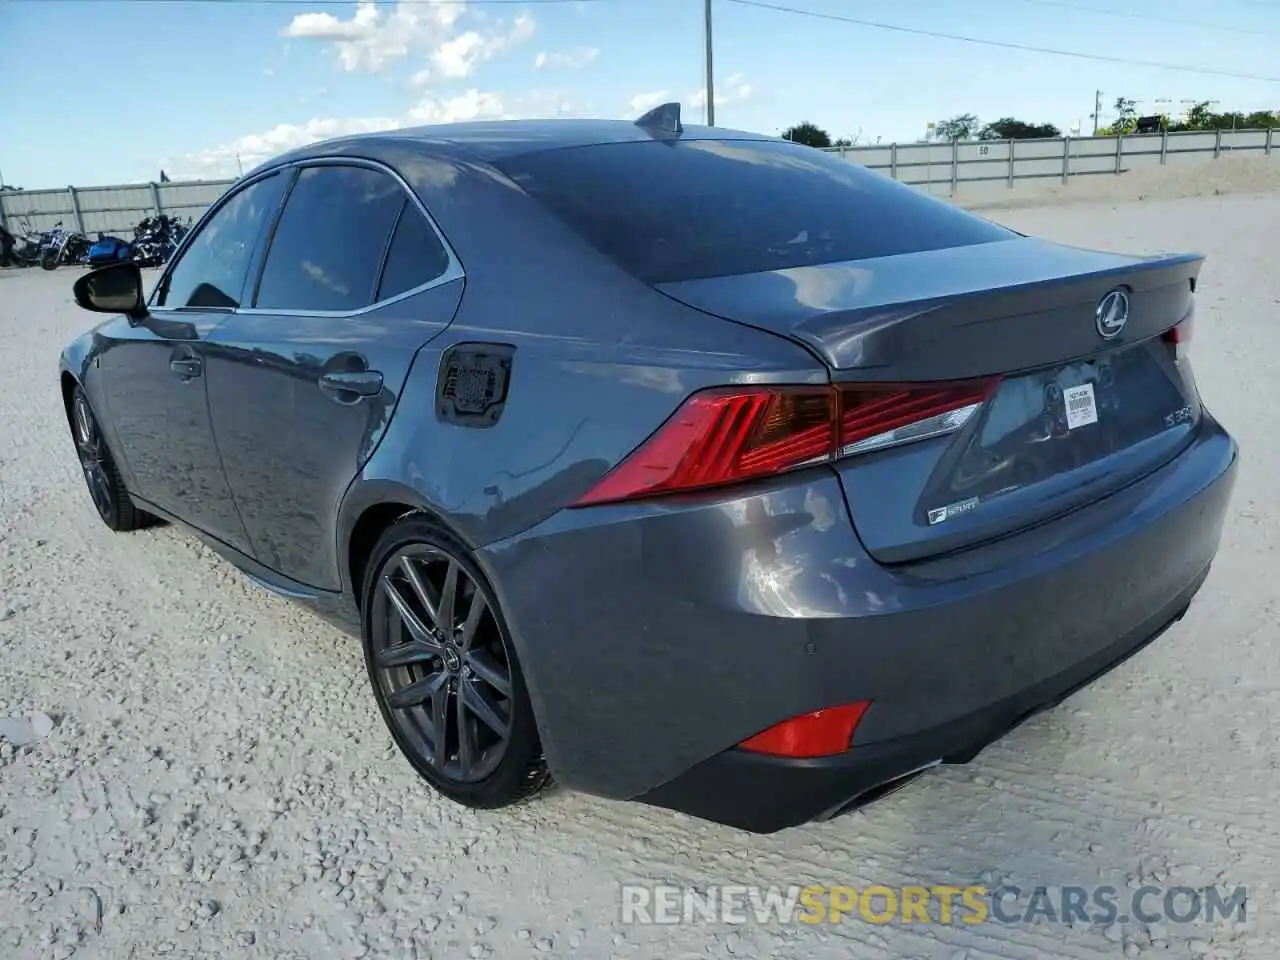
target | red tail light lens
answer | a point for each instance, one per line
(724, 436)
(1179, 338)
(875, 417)
(817, 734)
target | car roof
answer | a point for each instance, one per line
(494, 140)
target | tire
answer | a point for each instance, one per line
(420, 675)
(49, 259)
(106, 487)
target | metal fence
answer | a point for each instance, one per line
(965, 166)
(944, 168)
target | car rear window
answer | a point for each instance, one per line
(690, 209)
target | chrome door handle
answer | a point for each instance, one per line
(187, 368)
(346, 386)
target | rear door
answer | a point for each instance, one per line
(303, 382)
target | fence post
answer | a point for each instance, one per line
(1012, 143)
(1119, 152)
(893, 160)
(1164, 146)
(1270, 131)
(1066, 158)
(1217, 144)
(955, 165)
(155, 199)
(75, 208)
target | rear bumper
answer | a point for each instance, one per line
(764, 794)
(655, 637)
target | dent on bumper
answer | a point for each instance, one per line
(654, 637)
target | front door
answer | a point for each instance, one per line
(154, 369)
(303, 383)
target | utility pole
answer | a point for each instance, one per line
(1097, 110)
(710, 87)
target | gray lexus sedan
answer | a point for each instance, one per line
(682, 465)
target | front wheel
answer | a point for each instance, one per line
(444, 669)
(49, 259)
(106, 487)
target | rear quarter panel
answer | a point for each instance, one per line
(600, 361)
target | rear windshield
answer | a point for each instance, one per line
(685, 210)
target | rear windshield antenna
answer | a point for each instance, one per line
(664, 118)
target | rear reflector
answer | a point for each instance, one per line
(817, 734)
(727, 435)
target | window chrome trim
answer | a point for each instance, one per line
(454, 271)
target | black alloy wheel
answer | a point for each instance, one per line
(106, 487)
(444, 670)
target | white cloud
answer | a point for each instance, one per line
(646, 101)
(459, 56)
(248, 151)
(375, 36)
(735, 89)
(574, 60)
(472, 105)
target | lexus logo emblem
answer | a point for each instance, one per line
(1112, 314)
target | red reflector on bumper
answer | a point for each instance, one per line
(817, 734)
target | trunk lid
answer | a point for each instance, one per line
(1080, 408)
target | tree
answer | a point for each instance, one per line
(1007, 128)
(964, 127)
(843, 142)
(807, 133)
(1126, 118)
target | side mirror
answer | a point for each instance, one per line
(115, 288)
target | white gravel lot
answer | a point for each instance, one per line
(217, 782)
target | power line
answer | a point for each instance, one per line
(318, 3)
(1102, 11)
(1005, 45)
(1176, 21)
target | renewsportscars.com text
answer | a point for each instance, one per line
(939, 904)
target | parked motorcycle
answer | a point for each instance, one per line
(156, 238)
(107, 249)
(28, 244)
(63, 246)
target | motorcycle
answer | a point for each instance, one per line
(108, 249)
(156, 238)
(27, 247)
(63, 246)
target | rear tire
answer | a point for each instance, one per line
(106, 486)
(444, 669)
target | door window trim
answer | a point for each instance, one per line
(196, 230)
(454, 270)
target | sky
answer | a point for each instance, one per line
(114, 91)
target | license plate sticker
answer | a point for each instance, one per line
(1082, 409)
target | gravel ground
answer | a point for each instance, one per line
(213, 780)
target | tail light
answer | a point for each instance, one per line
(727, 435)
(1179, 337)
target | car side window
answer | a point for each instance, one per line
(416, 255)
(328, 246)
(211, 271)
